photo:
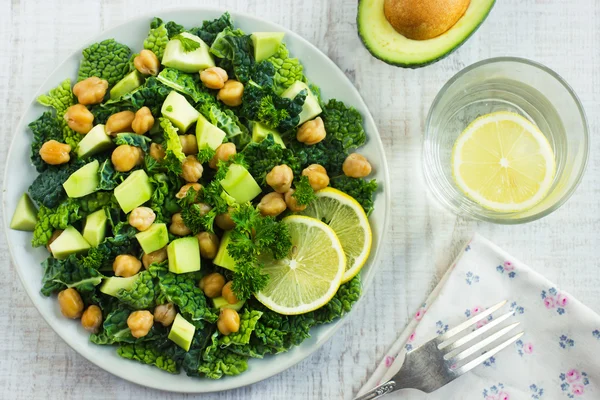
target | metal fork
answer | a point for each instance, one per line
(441, 360)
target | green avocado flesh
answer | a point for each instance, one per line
(182, 332)
(134, 191)
(112, 285)
(95, 228)
(83, 181)
(207, 134)
(266, 44)
(95, 141)
(184, 255)
(25, 216)
(69, 242)
(239, 184)
(191, 61)
(223, 258)
(131, 81)
(385, 43)
(221, 303)
(311, 107)
(181, 113)
(154, 238)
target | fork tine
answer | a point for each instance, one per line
(467, 338)
(471, 321)
(453, 359)
(472, 364)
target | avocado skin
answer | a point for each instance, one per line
(426, 63)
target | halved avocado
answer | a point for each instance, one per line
(386, 44)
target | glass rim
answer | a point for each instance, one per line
(580, 170)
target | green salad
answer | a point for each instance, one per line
(179, 187)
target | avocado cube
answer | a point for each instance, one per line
(181, 113)
(69, 242)
(223, 258)
(154, 238)
(239, 184)
(133, 191)
(94, 142)
(112, 285)
(182, 332)
(129, 83)
(221, 303)
(184, 255)
(311, 107)
(192, 61)
(95, 228)
(25, 216)
(83, 181)
(207, 134)
(260, 133)
(266, 44)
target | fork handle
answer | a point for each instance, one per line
(379, 391)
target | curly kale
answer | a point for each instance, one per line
(132, 139)
(142, 295)
(61, 98)
(49, 219)
(151, 94)
(263, 74)
(173, 29)
(329, 154)
(287, 70)
(263, 105)
(149, 353)
(217, 362)
(210, 29)
(45, 128)
(343, 124)
(103, 256)
(188, 84)
(157, 39)
(174, 153)
(362, 190)
(107, 60)
(227, 121)
(115, 330)
(47, 187)
(262, 157)
(234, 48)
(68, 273)
(248, 321)
(304, 193)
(341, 303)
(109, 178)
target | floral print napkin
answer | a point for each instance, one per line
(558, 357)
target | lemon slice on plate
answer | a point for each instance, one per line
(347, 218)
(503, 162)
(311, 274)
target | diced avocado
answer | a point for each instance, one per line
(69, 242)
(184, 255)
(129, 83)
(133, 191)
(239, 184)
(182, 332)
(221, 303)
(385, 43)
(154, 238)
(311, 107)
(260, 133)
(95, 228)
(192, 61)
(181, 113)
(112, 285)
(94, 142)
(223, 258)
(266, 44)
(25, 216)
(207, 134)
(83, 181)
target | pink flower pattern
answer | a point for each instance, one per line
(389, 360)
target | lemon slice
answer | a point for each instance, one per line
(350, 223)
(312, 273)
(503, 162)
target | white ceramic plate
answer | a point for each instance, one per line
(19, 175)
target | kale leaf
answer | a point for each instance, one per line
(107, 60)
(45, 128)
(210, 29)
(362, 190)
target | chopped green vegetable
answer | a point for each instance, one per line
(234, 48)
(210, 29)
(142, 295)
(287, 70)
(61, 274)
(107, 60)
(157, 38)
(304, 193)
(188, 84)
(362, 190)
(174, 151)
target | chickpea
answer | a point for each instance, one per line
(228, 294)
(214, 77)
(157, 256)
(311, 132)
(79, 118)
(178, 227)
(231, 93)
(91, 320)
(189, 145)
(119, 122)
(147, 63)
(140, 323)
(90, 90)
(223, 153)
(185, 188)
(356, 166)
(209, 244)
(142, 218)
(224, 220)
(212, 284)
(317, 176)
(54, 236)
(125, 157)
(126, 265)
(291, 201)
(71, 305)
(55, 153)
(142, 121)
(228, 322)
(157, 151)
(165, 314)
(280, 178)
(192, 169)
(272, 204)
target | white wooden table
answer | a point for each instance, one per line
(563, 34)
